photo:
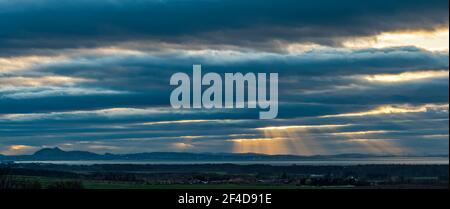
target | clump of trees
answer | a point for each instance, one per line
(10, 182)
(65, 185)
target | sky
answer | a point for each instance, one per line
(368, 77)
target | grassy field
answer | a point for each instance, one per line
(227, 176)
(91, 184)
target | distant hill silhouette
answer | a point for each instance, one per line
(56, 154)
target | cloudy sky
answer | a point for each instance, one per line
(354, 76)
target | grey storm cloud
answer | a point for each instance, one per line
(28, 26)
(313, 77)
(94, 75)
(410, 130)
(312, 63)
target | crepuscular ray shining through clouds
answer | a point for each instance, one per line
(368, 77)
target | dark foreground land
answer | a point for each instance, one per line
(221, 176)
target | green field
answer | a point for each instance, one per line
(91, 184)
(226, 176)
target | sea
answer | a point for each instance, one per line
(340, 161)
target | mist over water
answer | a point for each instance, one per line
(343, 161)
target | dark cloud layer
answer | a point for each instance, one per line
(49, 24)
(142, 80)
(94, 75)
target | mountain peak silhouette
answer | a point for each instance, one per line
(49, 152)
